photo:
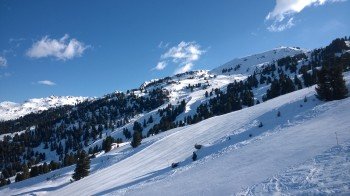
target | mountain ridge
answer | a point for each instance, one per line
(11, 110)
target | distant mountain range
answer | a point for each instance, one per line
(11, 110)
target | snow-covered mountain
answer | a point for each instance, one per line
(277, 145)
(237, 69)
(11, 110)
(247, 65)
(237, 156)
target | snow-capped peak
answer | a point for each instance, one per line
(248, 64)
(11, 110)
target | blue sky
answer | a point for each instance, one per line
(91, 48)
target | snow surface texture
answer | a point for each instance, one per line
(231, 162)
(327, 173)
(11, 110)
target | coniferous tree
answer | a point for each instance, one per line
(82, 167)
(136, 139)
(46, 168)
(338, 83)
(150, 119)
(34, 171)
(126, 133)
(3, 182)
(297, 82)
(330, 84)
(144, 123)
(18, 177)
(25, 174)
(324, 88)
(247, 98)
(137, 126)
(107, 143)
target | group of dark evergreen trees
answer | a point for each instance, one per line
(32, 171)
(330, 84)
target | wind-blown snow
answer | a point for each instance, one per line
(10, 110)
(230, 160)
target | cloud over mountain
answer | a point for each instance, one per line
(184, 55)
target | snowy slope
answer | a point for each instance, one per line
(11, 110)
(327, 173)
(230, 161)
(234, 168)
(247, 65)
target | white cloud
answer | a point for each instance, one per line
(161, 65)
(3, 61)
(276, 27)
(46, 82)
(62, 49)
(184, 54)
(282, 14)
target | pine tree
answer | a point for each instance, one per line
(136, 139)
(46, 168)
(338, 83)
(144, 123)
(126, 133)
(82, 167)
(137, 126)
(330, 84)
(3, 182)
(150, 119)
(324, 88)
(247, 98)
(25, 174)
(107, 143)
(19, 177)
